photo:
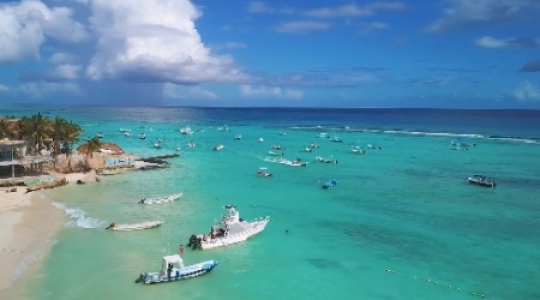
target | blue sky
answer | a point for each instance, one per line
(439, 53)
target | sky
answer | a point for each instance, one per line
(320, 53)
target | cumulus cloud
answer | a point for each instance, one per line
(42, 89)
(273, 92)
(353, 10)
(491, 42)
(461, 14)
(175, 91)
(259, 7)
(302, 26)
(373, 26)
(62, 58)
(25, 25)
(526, 91)
(531, 66)
(154, 41)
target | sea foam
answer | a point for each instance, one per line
(79, 218)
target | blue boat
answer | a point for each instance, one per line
(330, 184)
(173, 270)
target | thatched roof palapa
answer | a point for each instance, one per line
(107, 146)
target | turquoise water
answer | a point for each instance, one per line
(402, 223)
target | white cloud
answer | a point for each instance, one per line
(460, 14)
(62, 58)
(42, 89)
(275, 92)
(373, 26)
(353, 10)
(526, 91)
(491, 42)
(24, 26)
(175, 91)
(302, 26)
(65, 71)
(154, 40)
(259, 7)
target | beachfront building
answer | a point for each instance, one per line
(15, 162)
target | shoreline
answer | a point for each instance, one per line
(29, 224)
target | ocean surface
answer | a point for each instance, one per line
(402, 222)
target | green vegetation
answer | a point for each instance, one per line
(40, 132)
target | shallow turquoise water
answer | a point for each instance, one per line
(405, 208)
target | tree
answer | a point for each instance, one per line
(91, 146)
(36, 130)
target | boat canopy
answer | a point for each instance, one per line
(172, 259)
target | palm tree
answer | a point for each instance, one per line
(36, 130)
(91, 146)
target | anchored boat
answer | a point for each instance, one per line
(231, 230)
(135, 226)
(482, 180)
(173, 270)
(160, 200)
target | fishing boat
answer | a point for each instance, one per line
(230, 230)
(326, 160)
(261, 172)
(173, 269)
(161, 200)
(293, 163)
(186, 130)
(329, 184)
(274, 153)
(482, 181)
(219, 147)
(135, 226)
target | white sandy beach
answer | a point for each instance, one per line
(28, 226)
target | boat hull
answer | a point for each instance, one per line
(231, 239)
(177, 274)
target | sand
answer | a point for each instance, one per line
(28, 227)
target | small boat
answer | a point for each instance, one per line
(160, 200)
(230, 230)
(224, 128)
(482, 180)
(142, 136)
(282, 133)
(336, 140)
(261, 172)
(358, 150)
(99, 135)
(326, 160)
(125, 130)
(322, 135)
(135, 226)
(274, 153)
(238, 137)
(157, 145)
(314, 146)
(219, 147)
(278, 147)
(329, 184)
(178, 148)
(173, 269)
(186, 130)
(371, 146)
(127, 133)
(191, 144)
(261, 140)
(293, 163)
(308, 149)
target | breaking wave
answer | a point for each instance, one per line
(78, 217)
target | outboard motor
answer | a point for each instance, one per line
(194, 242)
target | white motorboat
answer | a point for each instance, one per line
(261, 140)
(231, 230)
(261, 172)
(274, 153)
(142, 136)
(161, 200)
(238, 137)
(293, 163)
(219, 147)
(186, 130)
(358, 150)
(326, 160)
(127, 133)
(173, 269)
(135, 226)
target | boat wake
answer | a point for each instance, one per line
(503, 138)
(78, 218)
